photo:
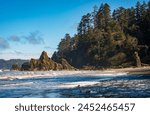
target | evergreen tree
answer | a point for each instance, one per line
(107, 16)
(64, 45)
(94, 17)
(106, 40)
(100, 18)
(138, 12)
(143, 11)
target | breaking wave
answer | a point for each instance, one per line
(73, 84)
(34, 74)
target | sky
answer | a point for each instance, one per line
(28, 27)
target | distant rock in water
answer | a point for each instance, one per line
(15, 67)
(44, 63)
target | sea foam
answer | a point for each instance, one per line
(37, 74)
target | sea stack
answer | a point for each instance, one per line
(44, 63)
(137, 59)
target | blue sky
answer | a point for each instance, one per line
(27, 27)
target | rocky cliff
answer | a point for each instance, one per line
(44, 63)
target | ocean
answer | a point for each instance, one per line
(73, 84)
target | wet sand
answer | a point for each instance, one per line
(134, 71)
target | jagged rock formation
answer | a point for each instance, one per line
(44, 63)
(137, 59)
(26, 66)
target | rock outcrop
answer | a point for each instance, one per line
(137, 59)
(15, 67)
(44, 63)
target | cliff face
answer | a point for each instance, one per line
(44, 63)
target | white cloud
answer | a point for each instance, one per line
(4, 44)
(14, 38)
(34, 38)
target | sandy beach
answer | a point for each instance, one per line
(134, 70)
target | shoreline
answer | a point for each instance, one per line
(106, 72)
(145, 70)
(104, 83)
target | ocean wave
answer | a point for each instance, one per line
(34, 74)
(77, 84)
(17, 84)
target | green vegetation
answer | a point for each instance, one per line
(15, 67)
(106, 39)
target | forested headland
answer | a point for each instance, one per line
(109, 39)
(104, 39)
